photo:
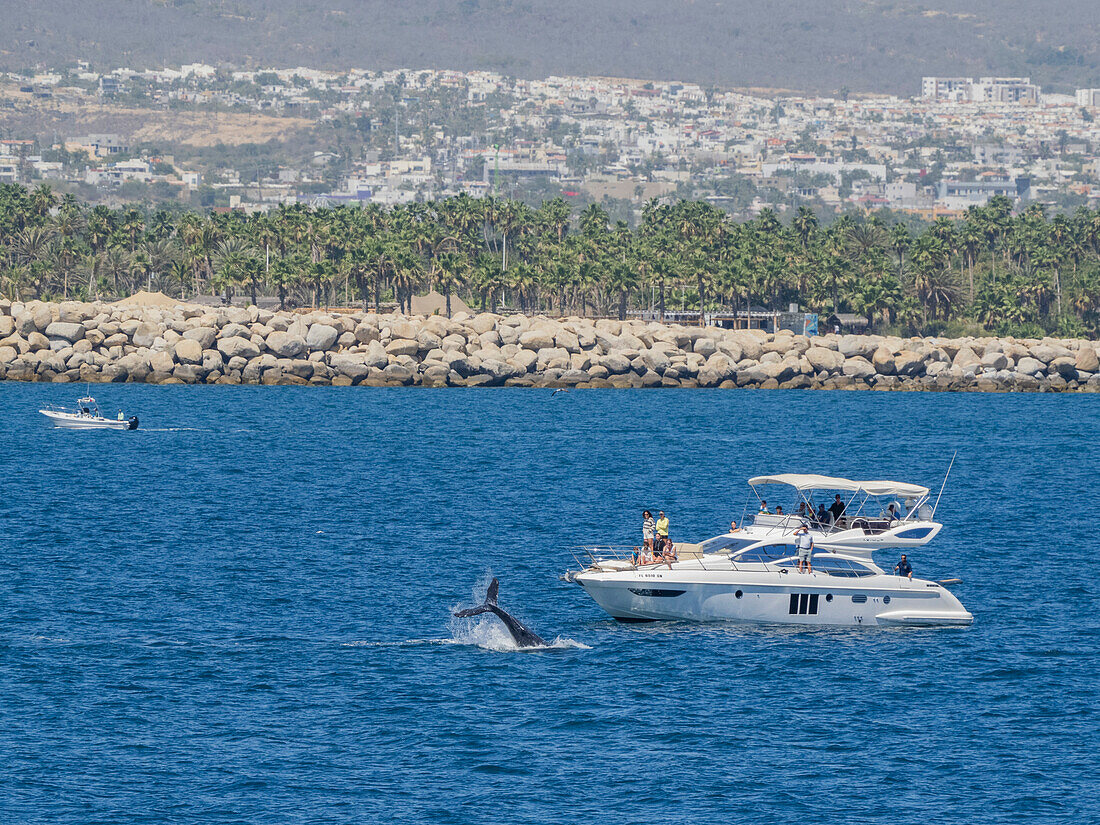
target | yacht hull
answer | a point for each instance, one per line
(773, 598)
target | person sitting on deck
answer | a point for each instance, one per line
(667, 555)
(734, 528)
(891, 513)
(904, 568)
(779, 509)
(822, 514)
(764, 511)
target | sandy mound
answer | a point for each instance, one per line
(149, 299)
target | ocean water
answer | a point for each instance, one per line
(240, 613)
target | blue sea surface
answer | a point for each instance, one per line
(240, 613)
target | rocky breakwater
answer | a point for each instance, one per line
(190, 344)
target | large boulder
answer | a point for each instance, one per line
(376, 355)
(428, 340)
(525, 360)
(43, 317)
(321, 337)
(1030, 366)
(188, 351)
(162, 361)
(7, 326)
(567, 340)
(994, 359)
(24, 323)
(65, 330)
(615, 363)
(821, 358)
(285, 344)
(1086, 359)
(1064, 366)
(1048, 352)
(238, 346)
(206, 336)
(497, 370)
(403, 346)
(705, 347)
(144, 335)
(395, 373)
(966, 358)
(656, 360)
(863, 346)
(858, 367)
(365, 332)
(536, 339)
(352, 365)
(883, 361)
(909, 363)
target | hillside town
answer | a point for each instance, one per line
(394, 137)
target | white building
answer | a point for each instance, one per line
(946, 88)
(1089, 98)
(1004, 90)
(985, 90)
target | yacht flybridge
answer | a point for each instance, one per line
(751, 574)
(863, 519)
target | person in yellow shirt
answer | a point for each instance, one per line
(662, 530)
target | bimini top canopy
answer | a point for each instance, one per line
(810, 481)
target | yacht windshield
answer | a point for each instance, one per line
(726, 544)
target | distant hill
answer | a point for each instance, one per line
(813, 45)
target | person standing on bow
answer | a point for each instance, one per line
(649, 531)
(662, 530)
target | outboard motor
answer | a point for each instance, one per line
(133, 422)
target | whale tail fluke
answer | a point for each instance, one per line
(487, 607)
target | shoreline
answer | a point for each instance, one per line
(156, 340)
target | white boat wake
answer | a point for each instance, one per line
(486, 634)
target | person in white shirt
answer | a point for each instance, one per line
(649, 531)
(805, 544)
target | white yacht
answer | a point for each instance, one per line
(87, 417)
(751, 574)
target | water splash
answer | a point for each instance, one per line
(489, 634)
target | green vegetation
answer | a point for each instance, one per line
(1005, 273)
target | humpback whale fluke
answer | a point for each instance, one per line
(522, 635)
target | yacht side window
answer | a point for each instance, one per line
(841, 567)
(770, 552)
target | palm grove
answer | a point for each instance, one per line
(1025, 274)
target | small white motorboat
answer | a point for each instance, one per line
(88, 417)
